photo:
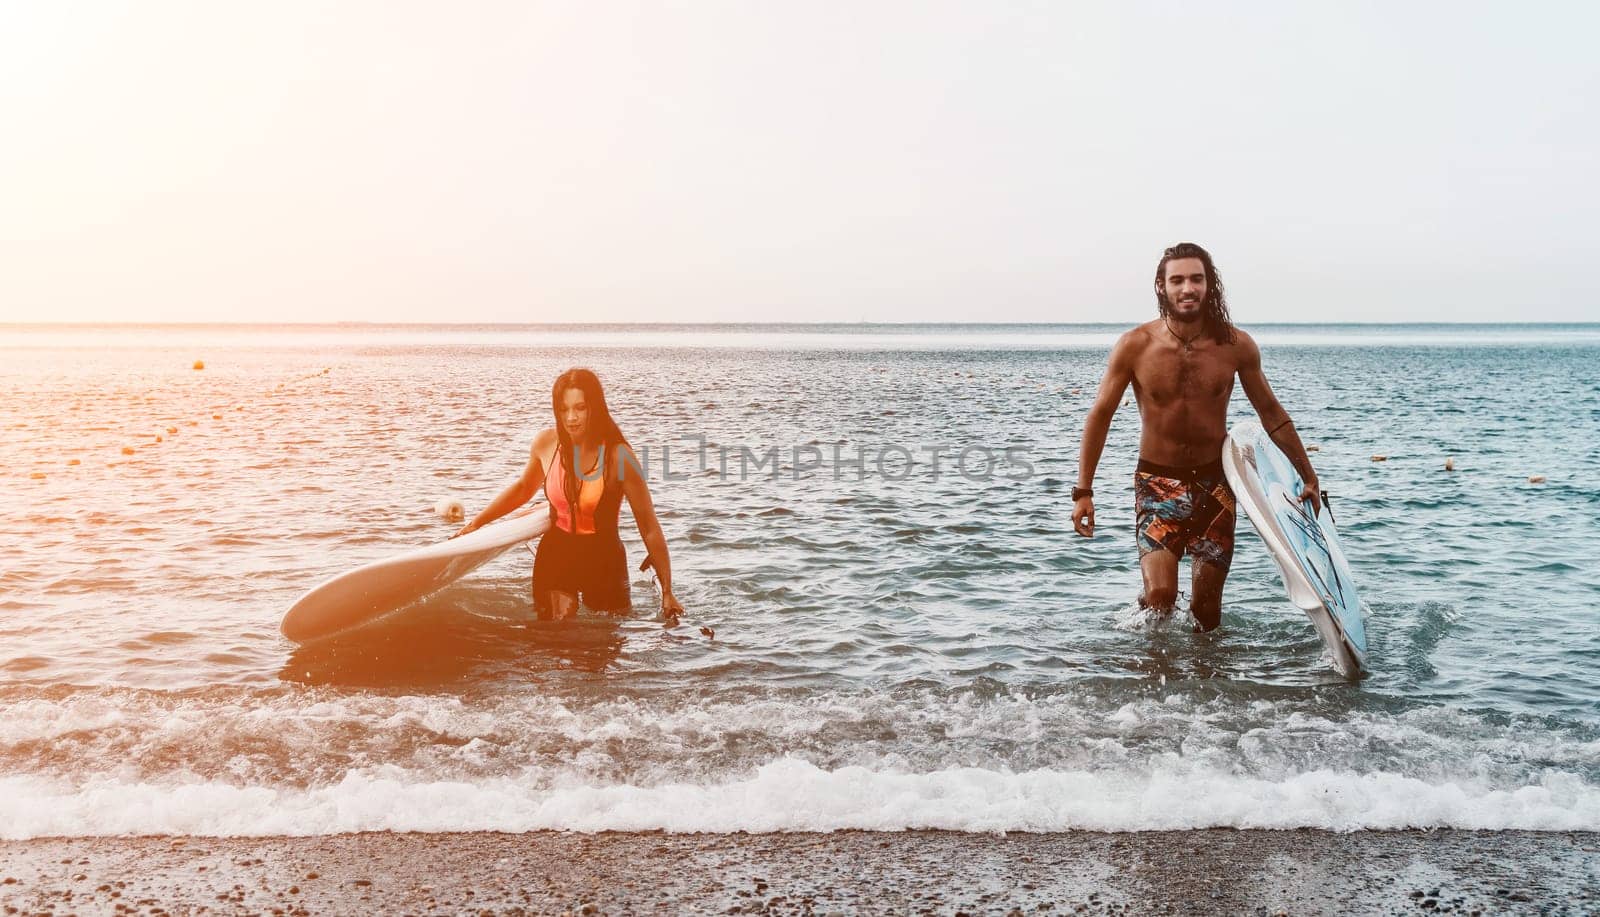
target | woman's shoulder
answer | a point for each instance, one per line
(544, 442)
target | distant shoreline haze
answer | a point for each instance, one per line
(199, 339)
(732, 326)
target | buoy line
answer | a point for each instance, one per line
(169, 429)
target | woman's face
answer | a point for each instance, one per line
(574, 417)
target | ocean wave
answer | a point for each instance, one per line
(794, 795)
(242, 761)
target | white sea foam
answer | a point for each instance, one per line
(793, 795)
(236, 762)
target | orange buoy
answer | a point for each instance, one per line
(1380, 458)
(199, 364)
(1536, 479)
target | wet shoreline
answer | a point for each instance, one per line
(1159, 872)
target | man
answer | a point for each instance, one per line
(1182, 366)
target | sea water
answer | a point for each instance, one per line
(874, 520)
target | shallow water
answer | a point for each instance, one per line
(895, 647)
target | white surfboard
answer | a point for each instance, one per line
(367, 593)
(1306, 549)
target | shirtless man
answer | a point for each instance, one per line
(1182, 366)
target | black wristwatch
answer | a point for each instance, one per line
(1078, 493)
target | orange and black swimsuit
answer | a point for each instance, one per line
(582, 553)
(1185, 511)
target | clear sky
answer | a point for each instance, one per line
(793, 161)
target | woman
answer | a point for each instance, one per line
(586, 468)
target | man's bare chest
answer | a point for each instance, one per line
(1175, 375)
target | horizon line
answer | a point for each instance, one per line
(719, 324)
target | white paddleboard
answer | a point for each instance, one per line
(367, 593)
(1305, 549)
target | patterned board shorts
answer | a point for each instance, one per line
(1185, 511)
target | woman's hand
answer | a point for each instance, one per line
(671, 609)
(465, 529)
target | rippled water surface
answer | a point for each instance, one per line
(896, 645)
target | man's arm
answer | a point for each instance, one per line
(1119, 373)
(1275, 420)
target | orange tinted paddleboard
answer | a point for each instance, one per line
(367, 593)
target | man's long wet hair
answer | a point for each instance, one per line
(1214, 314)
(604, 429)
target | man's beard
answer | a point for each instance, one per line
(1172, 311)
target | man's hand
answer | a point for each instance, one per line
(466, 529)
(1083, 516)
(1313, 492)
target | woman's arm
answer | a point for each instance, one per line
(520, 491)
(644, 515)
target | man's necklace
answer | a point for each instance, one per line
(1188, 343)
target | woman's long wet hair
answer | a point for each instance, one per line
(1214, 312)
(602, 427)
